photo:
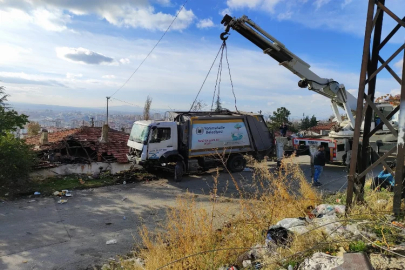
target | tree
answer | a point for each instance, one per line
(313, 122)
(16, 159)
(305, 122)
(279, 117)
(198, 106)
(3, 97)
(33, 128)
(10, 120)
(146, 108)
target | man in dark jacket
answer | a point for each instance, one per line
(319, 163)
(283, 130)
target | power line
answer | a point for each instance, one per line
(129, 103)
(175, 17)
(126, 102)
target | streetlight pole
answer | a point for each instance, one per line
(107, 108)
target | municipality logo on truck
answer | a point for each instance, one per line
(219, 134)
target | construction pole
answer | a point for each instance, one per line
(364, 159)
(399, 172)
(107, 109)
(352, 179)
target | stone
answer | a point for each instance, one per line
(320, 261)
(382, 262)
(354, 261)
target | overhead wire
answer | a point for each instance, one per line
(157, 43)
(230, 77)
(205, 79)
(219, 75)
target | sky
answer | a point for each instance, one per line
(76, 53)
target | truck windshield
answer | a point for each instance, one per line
(139, 133)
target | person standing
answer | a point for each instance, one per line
(319, 163)
(283, 130)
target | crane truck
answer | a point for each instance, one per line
(339, 139)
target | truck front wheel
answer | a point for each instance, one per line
(236, 163)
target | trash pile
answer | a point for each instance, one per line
(133, 175)
(61, 194)
(325, 217)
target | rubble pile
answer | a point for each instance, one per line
(363, 248)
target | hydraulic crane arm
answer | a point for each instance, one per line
(327, 87)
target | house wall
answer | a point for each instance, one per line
(81, 169)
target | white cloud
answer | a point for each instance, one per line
(53, 15)
(205, 23)
(73, 76)
(51, 19)
(320, 3)
(346, 2)
(284, 16)
(268, 5)
(225, 11)
(125, 61)
(399, 64)
(83, 56)
(108, 77)
(234, 4)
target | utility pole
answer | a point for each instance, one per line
(107, 108)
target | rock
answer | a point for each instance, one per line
(247, 263)
(354, 261)
(111, 242)
(320, 261)
(382, 262)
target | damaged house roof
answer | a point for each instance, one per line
(82, 145)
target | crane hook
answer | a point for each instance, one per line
(224, 36)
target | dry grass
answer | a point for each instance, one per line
(191, 229)
(192, 239)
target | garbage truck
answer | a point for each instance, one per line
(190, 142)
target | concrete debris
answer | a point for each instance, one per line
(354, 261)
(111, 242)
(382, 262)
(320, 261)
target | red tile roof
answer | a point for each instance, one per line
(87, 137)
(320, 127)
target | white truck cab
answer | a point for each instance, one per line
(151, 139)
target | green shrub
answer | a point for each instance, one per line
(16, 159)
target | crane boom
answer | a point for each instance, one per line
(271, 46)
